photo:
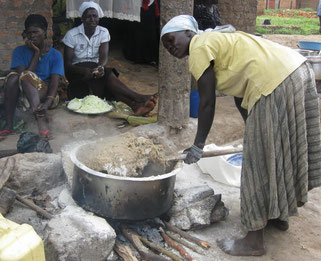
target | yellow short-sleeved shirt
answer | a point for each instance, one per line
(245, 65)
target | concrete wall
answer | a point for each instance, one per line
(12, 16)
(240, 13)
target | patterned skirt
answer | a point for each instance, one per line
(37, 83)
(282, 151)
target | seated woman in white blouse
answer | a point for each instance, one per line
(85, 57)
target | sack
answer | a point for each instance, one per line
(31, 142)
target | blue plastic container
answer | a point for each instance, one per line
(308, 45)
(194, 103)
(236, 159)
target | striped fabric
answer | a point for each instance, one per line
(282, 151)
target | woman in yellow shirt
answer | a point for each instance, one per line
(274, 89)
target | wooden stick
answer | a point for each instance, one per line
(206, 154)
(7, 153)
(6, 171)
(177, 247)
(160, 249)
(144, 252)
(177, 238)
(124, 251)
(34, 207)
(187, 236)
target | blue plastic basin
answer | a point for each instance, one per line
(308, 45)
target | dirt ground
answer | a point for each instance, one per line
(301, 242)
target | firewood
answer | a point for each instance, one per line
(34, 207)
(187, 236)
(177, 247)
(124, 251)
(189, 245)
(144, 252)
(160, 249)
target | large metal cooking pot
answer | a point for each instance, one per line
(315, 62)
(126, 198)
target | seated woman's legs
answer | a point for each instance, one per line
(141, 104)
(10, 101)
(35, 97)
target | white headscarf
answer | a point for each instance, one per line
(188, 22)
(91, 4)
(180, 23)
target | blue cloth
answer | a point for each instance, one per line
(319, 9)
(50, 63)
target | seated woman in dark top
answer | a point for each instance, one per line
(37, 68)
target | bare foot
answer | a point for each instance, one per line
(250, 245)
(148, 105)
(279, 224)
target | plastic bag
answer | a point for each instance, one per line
(31, 142)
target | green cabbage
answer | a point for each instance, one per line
(89, 104)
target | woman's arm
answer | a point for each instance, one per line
(103, 59)
(51, 94)
(206, 111)
(69, 67)
(103, 54)
(35, 58)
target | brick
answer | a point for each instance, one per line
(17, 3)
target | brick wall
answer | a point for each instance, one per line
(261, 5)
(308, 4)
(288, 4)
(240, 13)
(12, 16)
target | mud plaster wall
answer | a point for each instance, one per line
(240, 13)
(12, 16)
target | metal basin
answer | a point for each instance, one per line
(124, 198)
(307, 52)
(315, 62)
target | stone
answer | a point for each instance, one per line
(65, 199)
(196, 207)
(35, 172)
(79, 236)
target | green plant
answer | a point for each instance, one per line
(289, 21)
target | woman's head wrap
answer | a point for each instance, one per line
(188, 22)
(36, 20)
(180, 23)
(91, 4)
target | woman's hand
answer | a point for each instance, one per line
(193, 154)
(32, 47)
(98, 72)
(44, 105)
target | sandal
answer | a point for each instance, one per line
(5, 132)
(46, 135)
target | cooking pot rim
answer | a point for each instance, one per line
(82, 166)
